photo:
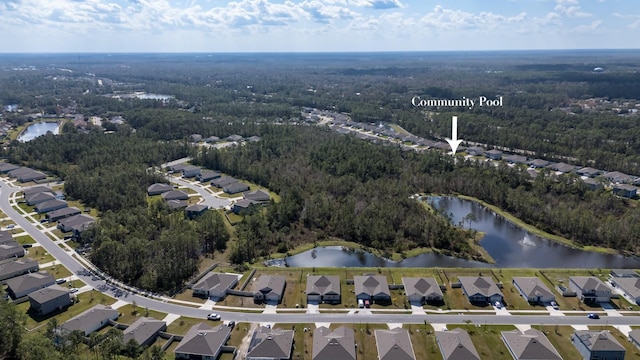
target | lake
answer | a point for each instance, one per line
(509, 245)
(38, 129)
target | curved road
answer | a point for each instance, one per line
(160, 304)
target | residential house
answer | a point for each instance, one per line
(22, 285)
(234, 137)
(592, 184)
(190, 171)
(203, 342)
(158, 188)
(529, 345)
(11, 249)
(269, 288)
(562, 167)
(323, 288)
(270, 344)
(624, 273)
(49, 299)
(62, 214)
(211, 139)
(493, 154)
(256, 195)
(634, 337)
(177, 168)
(177, 204)
(38, 198)
(588, 172)
(338, 344)
(253, 139)
(223, 181)
(143, 331)
(538, 163)
(6, 237)
(175, 195)
(10, 269)
(93, 319)
(590, 289)
(31, 175)
(533, 290)
(475, 150)
(195, 138)
(50, 205)
(394, 344)
(242, 205)
(208, 175)
(625, 190)
(597, 345)
(34, 190)
(422, 290)
(630, 286)
(236, 187)
(617, 177)
(480, 289)
(515, 159)
(193, 211)
(17, 172)
(76, 223)
(214, 285)
(373, 288)
(8, 167)
(456, 344)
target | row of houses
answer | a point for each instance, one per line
(55, 209)
(22, 174)
(196, 138)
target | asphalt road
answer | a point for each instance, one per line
(65, 258)
(209, 200)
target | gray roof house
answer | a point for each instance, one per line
(456, 345)
(143, 331)
(31, 175)
(480, 289)
(630, 286)
(625, 190)
(256, 195)
(51, 205)
(529, 345)
(422, 290)
(38, 198)
(338, 344)
(236, 187)
(223, 181)
(533, 290)
(5, 237)
(175, 195)
(624, 273)
(22, 285)
(49, 299)
(76, 223)
(8, 167)
(62, 213)
(91, 320)
(270, 344)
(538, 163)
(208, 175)
(242, 205)
(597, 345)
(590, 289)
(493, 154)
(323, 288)
(195, 210)
(35, 189)
(177, 204)
(269, 288)
(17, 172)
(592, 184)
(617, 177)
(203, 342)
(372, 287)
(190, 171)
(234, 137)
(588, 172)
(214, 285)
(195, 138)
(11, 249)
(515, 159)
(634, 337)
(394, 345)
(19, 267)
(158, 188)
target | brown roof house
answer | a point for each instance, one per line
(143, 331)
(597, 345)
(422, 290)
(394, 345)
(531, 344)
(91, 320)
(269, 288)
(533, 290)
(22, 285)
(456, 345)
(338, 344)
(372, 287)
(590, 289)
(214, 285)
(50, 299)
(19, 267)
(270, 344)
(322, 288)
(480, 289)
(203, 342)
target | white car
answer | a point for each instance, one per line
(554, 305)
(497, 304)
(213, 316)
(73, 290)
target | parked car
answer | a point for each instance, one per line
(231, 324)
(213, 316)
(61, 281)
(73, 290)
(360, 303)
(367, 304)
(497, 304)
(554, 305)
(593, 316)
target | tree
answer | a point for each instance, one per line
(11, 328)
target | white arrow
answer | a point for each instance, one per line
(454, 142)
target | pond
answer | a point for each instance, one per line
(508, 244)
(38, 129)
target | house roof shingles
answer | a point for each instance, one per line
(372, 285)
(270, 284)
(50, 292)
(216, 281)
(482, 285)
(588, 283)
(530, 344)
(90, 318)
(421, 286)
(599, 340)
(456, 345)
(142, 330)
(270, 344)
(323, 284)
(256, 195)
(394, 345)
(532, 286)
(30, 281)
(338, 344)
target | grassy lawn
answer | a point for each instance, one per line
(6, 221)
(183, 324)
(423, 340)
(488, 341)
(26, 207)
(302, 341)
(552, 278)
(25, 239)
(366, 340)
(234, 218)
(127, 316)
(75, 203)
(187, 296)
(39, 254)
(560, 337)
(58, 271)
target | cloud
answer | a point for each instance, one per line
(378, 4)
(570, 8)
(635, 24)
(588, 28)
(447, 19)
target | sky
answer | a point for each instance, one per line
(316, 25)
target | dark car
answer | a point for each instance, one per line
(593, 316)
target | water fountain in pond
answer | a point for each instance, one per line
(527, 241)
